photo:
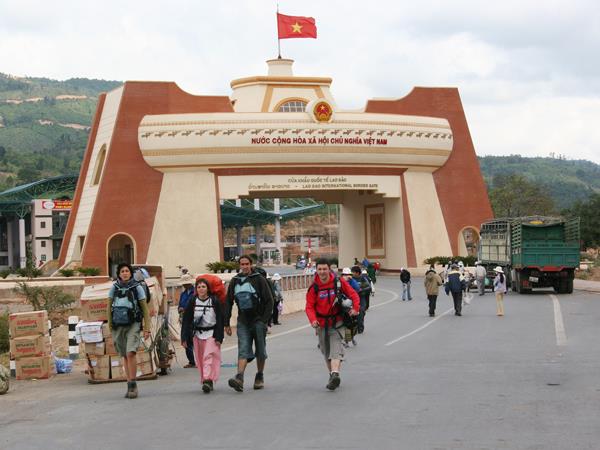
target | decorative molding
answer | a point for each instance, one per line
(269, 79)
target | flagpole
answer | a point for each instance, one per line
(278, 40)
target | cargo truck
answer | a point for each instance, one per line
(536, 251)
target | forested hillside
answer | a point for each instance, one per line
(565, 181)
(44, 126)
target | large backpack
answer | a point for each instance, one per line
(125, 309)
(140, 276)
(349, 321)
(248, 302)
(216, 285)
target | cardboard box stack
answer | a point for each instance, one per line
(96, 340)
(30, 345)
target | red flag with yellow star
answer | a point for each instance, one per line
(296, 27)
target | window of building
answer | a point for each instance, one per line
(42, 224)
(293, 106)
(43, 243)
(99, 165)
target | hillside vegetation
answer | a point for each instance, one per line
(44, 126)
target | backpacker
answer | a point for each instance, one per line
(216, 286)
(340, 299)
(198, 320)
(125, 309)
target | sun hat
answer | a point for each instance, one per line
(186, 279)
(276, 277)
(498, 269)
(346, 271)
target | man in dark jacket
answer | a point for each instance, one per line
(252, 294)
(455, 285)
(364, 292)
(405, 279)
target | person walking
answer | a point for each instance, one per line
(405, 279)
(480, 274)
(364, 292)
(432, 286)
(350, 332)
(128, 311)
(187, 294)
(202, 329)
(455, 285)
(326, 300)
(278, 298)
(250, 291)
(500, 290)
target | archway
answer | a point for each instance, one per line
(468, 240)
(120, 248)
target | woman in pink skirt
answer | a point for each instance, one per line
(202, 326)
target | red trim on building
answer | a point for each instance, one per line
(130, 189)
(82, 172)
(458, 182)
(411, 256)
(304, 170)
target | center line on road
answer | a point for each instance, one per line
(559, 326)
(422, 327)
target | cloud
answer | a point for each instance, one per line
(525, 66)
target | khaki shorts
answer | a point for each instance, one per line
(127, 339)
(334, 349)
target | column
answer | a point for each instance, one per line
(238, 240)
(9, 236)
(277, 230)
(22, 252)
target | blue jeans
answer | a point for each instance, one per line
(406, 290)
(252, 333)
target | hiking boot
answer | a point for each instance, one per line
(133, 391)
(334, 381)
(354, 342)
(207, 386)
(259, 381)
(237, 382)
(189, 366)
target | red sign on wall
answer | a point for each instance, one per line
(63, 205)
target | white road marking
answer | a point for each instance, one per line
(422, 327)
(293, 330)
(559, 326)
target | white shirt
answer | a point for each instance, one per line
(204, 311)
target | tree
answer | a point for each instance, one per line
(589, 213)
(515, 196)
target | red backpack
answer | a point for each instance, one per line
(216, 285)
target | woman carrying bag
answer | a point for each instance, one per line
(203, 328)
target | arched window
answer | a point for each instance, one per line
(99, 165)
(293, 106)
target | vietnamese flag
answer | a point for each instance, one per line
(296, 27)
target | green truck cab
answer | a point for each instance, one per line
(537, 251)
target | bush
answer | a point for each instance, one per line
(3, 333)
(88, 271)
(5, 273)
(52, 299)
(29, 272)
(67, 272)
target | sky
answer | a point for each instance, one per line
(528, 72)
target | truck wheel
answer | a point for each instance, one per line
(569, 286)
(519, 288)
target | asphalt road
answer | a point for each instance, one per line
(479, 381)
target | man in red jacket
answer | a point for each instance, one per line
(326, 299)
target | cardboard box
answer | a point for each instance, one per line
(145, 364)
(109, 347)
(106, 331)
(28, 324)
(89, 332)
(30, 346)
(94, 309)
(117, 369)
(156, 296)
(99, 367)
(40, 367)
(96, 348)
